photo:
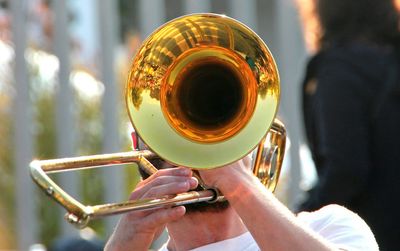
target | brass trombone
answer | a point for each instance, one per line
(202, 92)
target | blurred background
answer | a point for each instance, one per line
(63, 66)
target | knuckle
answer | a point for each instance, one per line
(134, 195)
(151, 193)
(159, 180)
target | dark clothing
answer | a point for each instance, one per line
(351, 107)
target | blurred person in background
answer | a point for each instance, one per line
(351, 105)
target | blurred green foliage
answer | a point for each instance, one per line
(88, 116)
(7, 181)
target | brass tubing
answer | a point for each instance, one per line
(269, 158)
(87, 162)
(79, 214)
(147, 204)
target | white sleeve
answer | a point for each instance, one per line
(341, 227)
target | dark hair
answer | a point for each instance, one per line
(341, 21)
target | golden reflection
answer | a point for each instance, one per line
(238, 82)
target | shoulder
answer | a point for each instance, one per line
(341, 227)
(330, 214)
(355, 70)
(366, 60)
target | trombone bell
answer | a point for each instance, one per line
(208, 86)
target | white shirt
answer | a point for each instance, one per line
(338, 225)
(341, 227)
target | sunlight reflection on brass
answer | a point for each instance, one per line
(203, 47)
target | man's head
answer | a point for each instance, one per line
(159, 163)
